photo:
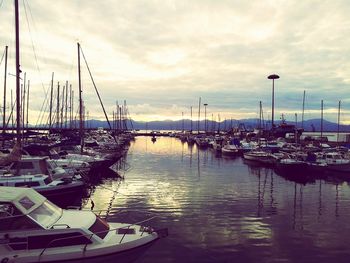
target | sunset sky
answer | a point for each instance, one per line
(161, 56)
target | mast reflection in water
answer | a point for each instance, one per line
(220, 209)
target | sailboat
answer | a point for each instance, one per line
(42, 181)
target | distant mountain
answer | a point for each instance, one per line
(309, 125)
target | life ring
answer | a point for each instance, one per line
(5, 260)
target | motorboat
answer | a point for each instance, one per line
(33, 229)
(335, 162)
(29, 165)
(43, 183)
(230, 149)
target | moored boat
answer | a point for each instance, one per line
(33, 229)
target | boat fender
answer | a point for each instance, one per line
(5, 260)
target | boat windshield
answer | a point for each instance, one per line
(47, 214)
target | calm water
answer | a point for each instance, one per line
(223, 210)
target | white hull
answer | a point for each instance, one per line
(111, 248)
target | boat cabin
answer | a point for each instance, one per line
(30, 165)
(29, 221)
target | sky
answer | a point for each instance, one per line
(162, 55)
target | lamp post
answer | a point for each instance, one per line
(205, 117)
(273, 77)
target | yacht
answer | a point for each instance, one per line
(32, 229)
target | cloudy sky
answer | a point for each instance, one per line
(161, 56)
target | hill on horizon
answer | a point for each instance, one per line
(309, 125)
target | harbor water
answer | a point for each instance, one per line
(220, 209)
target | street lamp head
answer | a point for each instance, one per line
(273, 76)
(205, 104)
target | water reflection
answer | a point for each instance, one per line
(222, 209)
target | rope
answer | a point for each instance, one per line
(36, 58)
(2, 58)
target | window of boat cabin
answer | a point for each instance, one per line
(47, 214)
(22, 165)
(12, 219)
(27, 183)
(100, 228)
(48, 180)
(26, 202)
(43, 167)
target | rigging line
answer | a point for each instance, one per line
(40, 120)
(2, 58)
(98, 94)
(35, 56)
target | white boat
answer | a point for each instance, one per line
(263, 157)
(335, 162)
(32, 229)
(43, 184)
(230, 149)
(28, 165)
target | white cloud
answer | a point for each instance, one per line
(164, 53)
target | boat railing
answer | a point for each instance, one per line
(89, 236)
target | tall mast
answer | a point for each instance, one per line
(125, 117)
(199, 114)
(70, 106)
(81, 135)
(302, 115)
(18, 72)
(58, 106)
(12, 107)
(260, 112)
(27, 104)
(183, 124)
(4, 108)
(51, 96)
(321, 118)
(23, 104)
(219, 122)
(66, 107)
(191, 120)
(62, 107)
(338, 121)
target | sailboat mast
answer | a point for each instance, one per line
(191, 120)
(321, 118)
(81, 135)
(199, 114)
(12, 107)
(18, 72)
(58, 107)
(4, 108)
(66, 107)
(23, 103)
(27, 104)
(183, 128)
(302, 115)
(51, 97)
(62, 107)
(260, 115)
(338, 121)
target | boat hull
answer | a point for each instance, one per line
(127, 251)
